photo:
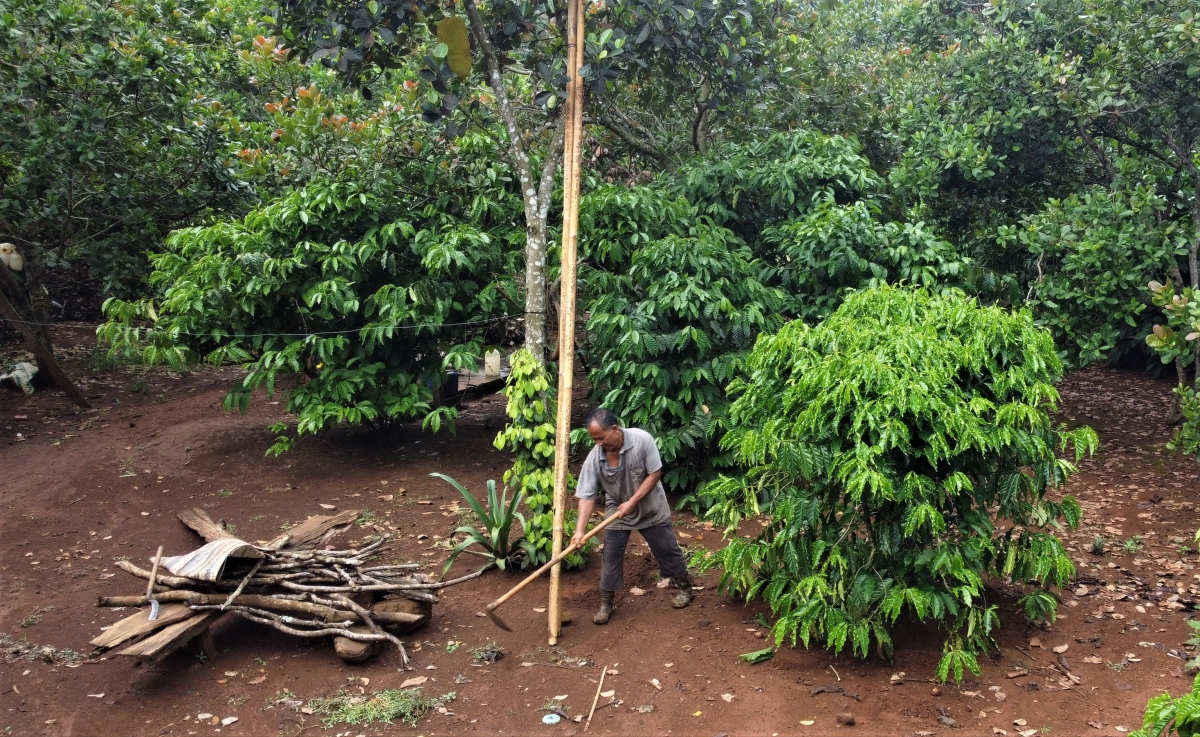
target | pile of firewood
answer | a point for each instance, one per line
(287, 584)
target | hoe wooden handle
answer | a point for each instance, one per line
(556, 559)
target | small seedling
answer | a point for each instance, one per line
(36, 616)
(1132, 545)
(1118, 667)
(453, 645)
(367, 517)
(1098, 545)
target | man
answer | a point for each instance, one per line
(626, 465)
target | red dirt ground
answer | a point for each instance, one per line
(85, 488)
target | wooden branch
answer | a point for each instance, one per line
(367, 620)
(196, 599)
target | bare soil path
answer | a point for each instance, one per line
(80, 490)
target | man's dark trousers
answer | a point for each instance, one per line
(663, 545)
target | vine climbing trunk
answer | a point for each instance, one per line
(566, 312)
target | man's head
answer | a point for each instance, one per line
(604, 428)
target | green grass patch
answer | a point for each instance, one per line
(407, 705)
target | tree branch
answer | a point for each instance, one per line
(520, 158)
(624, 126)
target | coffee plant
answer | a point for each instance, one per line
(1166, 717)
(346, 291)
(900, 452)
(835, 247)
(529, 436)
(668, 337)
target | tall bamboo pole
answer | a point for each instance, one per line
(572, 156)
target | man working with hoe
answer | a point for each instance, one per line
(625, 463)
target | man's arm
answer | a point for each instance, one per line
(648, 483)
(585, 513)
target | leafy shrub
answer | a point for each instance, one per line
(902, 451)
(1176, 342)
(749, 186)
(497, 519)
(1095, 252)
(529, 436)
(837, 247)
(1166, 716)
(615, 220)
(116, 124)
(668, 337)
(338, 287)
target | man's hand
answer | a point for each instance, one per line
(586, 506)
(628, 508)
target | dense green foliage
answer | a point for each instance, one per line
(343, 289)
(668, 338)
(529, 436)
(902, 451)
(1095, 253)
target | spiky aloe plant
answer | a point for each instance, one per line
(497, 520)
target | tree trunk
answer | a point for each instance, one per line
(1194, 253)
(700, 123)
(535, 284)
(536, 200)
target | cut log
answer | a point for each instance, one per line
(139, 624)
(270, 603)
(386, 613)
(166, 641)
(314, 531)
(203, 525)
(353, 651)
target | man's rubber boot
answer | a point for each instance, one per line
(606, 607)
(685, 595)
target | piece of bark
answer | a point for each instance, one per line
(203, 525)
(352, 651)
(270, 603)
(169, 639)
(385, 612)
(139, 624)
(314, 531)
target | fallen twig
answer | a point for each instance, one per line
(599, 688)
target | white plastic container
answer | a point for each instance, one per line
(491, 364)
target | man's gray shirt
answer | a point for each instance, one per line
(639, 458)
